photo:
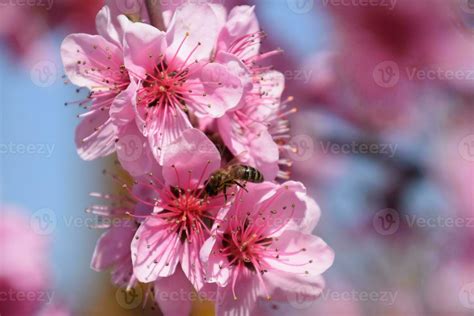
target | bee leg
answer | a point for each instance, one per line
(241, 185)
(225, 194)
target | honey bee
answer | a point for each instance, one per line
(233, 174)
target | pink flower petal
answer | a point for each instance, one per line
(301, 254)
(173, 294)
(241, 21)
(274, 207)
(155, 250)
(273, 85)
(194, 158)
(133, 151)
(83, 55)
(172, 124)
(247, 290)
(108, 27)
(113, 246)
(311, 217)
(236, 67)
(140, 42)
(191, 264)
(252, 143)
(214, 263)
(290, 286)
(95, 135)
(218, 89)
(221, 13)
(288, 290)
(121, 111)
(192, 26)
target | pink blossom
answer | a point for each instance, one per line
(164, 81)
(167, 244)
(149, 90)
(121, 217)
(136, 10)
(24, 264)
(175, 76)
(96, 63)
(173, 293)
(263, 248)
(256, 129)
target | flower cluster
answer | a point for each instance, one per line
(197, 119)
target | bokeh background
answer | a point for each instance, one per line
(384, 132)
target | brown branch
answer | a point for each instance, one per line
(156, 15)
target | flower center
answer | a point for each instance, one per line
(163, 87)
(243, 245)
(187, 213)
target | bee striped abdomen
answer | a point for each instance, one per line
(247, 173)
(223, 179)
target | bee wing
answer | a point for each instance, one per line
(239, 159)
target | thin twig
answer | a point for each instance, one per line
(154, 12)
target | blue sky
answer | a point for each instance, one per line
(39, 165)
